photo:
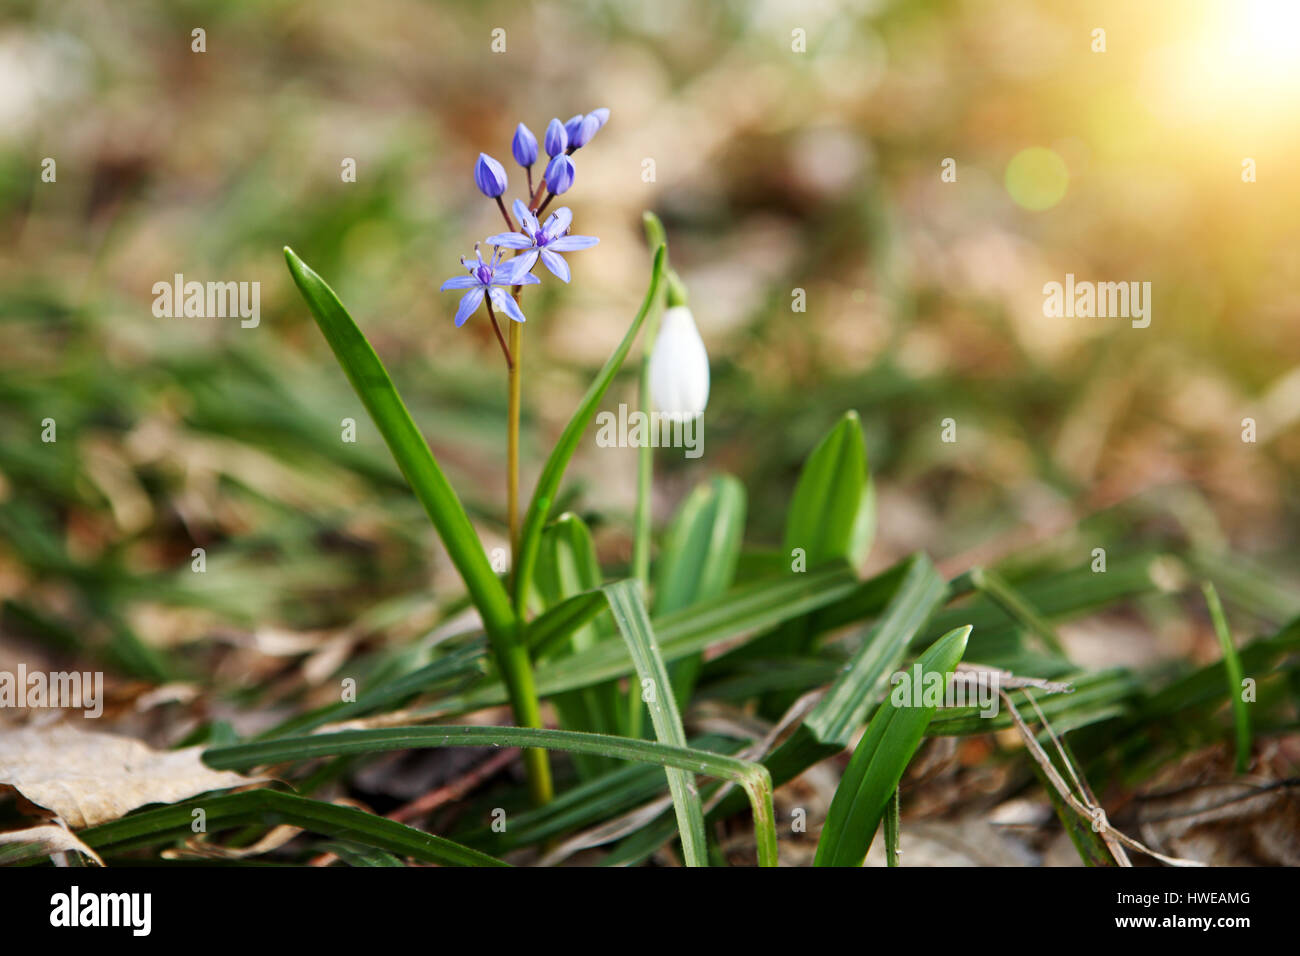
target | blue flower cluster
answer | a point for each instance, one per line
(532, 240)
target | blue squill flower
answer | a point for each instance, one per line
(546, 241)
(489, 176)
(524, 146)
(491, 279)
(556, 139)
(559, 174)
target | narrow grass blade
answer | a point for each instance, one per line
(554, 626)
(456, 665)
(1204, 686)
(1053, 595)
(1002, 594)
(354, 854)
(1232, 667)
(752, 777)
(375, 389)
(548, 484)
(271, 808)
(878, 762)
(657, 693)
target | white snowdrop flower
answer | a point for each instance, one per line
(679, 367)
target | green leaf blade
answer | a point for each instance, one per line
(831, 513)
(634, 624)
(878, 763)
(269, 807)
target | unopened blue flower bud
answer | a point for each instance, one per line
(586, 130)
(571, 126)
(602, 116)
(559, 174)
(524, 146)
(489, 176)
(556, 139)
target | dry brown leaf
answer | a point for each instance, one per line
(46, 840)
(201, 849)
(87, 778)
(1200, 808)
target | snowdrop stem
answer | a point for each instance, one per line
(645, 468)
(655, 237)
(676, 291)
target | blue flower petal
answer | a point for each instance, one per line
(503, 301)
(459, 282)
(527, 221)
(572, 243)
(557, 223)
(511, 240)
(559, 268)
(468, 303)
(519, 267)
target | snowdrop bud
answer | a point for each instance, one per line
(489, 176)
(679, 367)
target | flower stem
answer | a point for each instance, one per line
(515, 664)
(512, 441)
(537, 196)
(496, 327)
(536, 763)
(510, 223)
